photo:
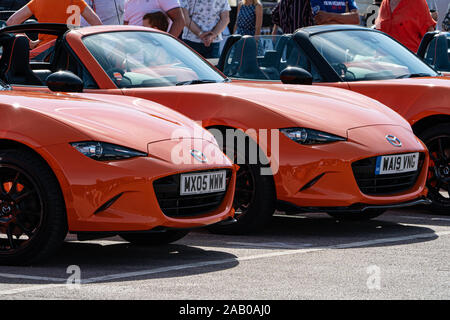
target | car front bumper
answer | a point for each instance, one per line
(322, 176)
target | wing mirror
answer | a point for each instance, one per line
(295, 75)
(64, 81)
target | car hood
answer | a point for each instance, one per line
(442, 81)
(316, 107)
(126, 121)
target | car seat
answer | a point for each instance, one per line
(246, 52)
(15, 62)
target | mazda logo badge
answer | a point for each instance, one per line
(6, 209)
(199, 156)
(394, 140)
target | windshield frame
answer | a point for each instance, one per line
(212, 68)
(4, 86)
(310, 36)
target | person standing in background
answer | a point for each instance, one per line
(156, 20)
(249, 18)
(291, 15)
(335, 12)
(109, 11)
(433, 9)
(442, 6)
(136, 9)
(54, 11)
(405, 20)
(205, 22)
(446, 21)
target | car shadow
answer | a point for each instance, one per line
(110, 260)
(320, 230)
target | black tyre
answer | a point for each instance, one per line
(33, 222)
(254, 199)
(153, 239)
(437, 140)
(358, 216)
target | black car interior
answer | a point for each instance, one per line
(16, 67)
(246, 60)
(14, 63)
(438, 52)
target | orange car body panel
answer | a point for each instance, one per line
(415, 99)
(47, 123)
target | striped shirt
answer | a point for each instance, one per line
(291, 15)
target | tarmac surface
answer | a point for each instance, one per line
(403, 254)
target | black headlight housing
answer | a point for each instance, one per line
(103, 151)
(310, 136)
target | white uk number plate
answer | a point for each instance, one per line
(398, 163)
(206, 182)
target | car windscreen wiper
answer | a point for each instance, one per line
(414, 75)
(189, 82)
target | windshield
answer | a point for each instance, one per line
(362, 55)
(148, 59)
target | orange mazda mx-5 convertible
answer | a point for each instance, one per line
(365, 61)
(298, 148)
(97, 168)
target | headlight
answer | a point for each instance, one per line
(103, 151)
(310, 136)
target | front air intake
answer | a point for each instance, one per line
(386, 184)
(174, 205)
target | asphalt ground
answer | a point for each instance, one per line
(403, 254)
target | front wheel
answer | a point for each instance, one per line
(33, 221)
(153, 239)
(254, 198)
(437, 140)
(357, 216)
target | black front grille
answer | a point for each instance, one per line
(388, 184)
(174, 205)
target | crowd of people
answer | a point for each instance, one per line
(201, 23)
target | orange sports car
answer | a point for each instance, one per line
(97, 167)
(298, 148)
(365, 61)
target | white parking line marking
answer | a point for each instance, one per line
(26, 277)
(231, 260)
(33, 288)
(414, 218)
(298, 216)
(440, 219)
(425, 218)
(275, 245)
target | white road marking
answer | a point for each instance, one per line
(298, 216)
(26, 277)
(440, 219)
(275, 245)
(230, 260)
(424, 218)
(33, 288)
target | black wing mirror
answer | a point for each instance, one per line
(64, 81)
(295, 75)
